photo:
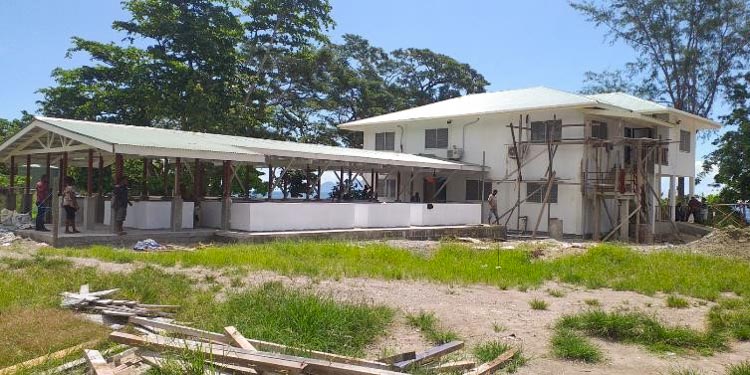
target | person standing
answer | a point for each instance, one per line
(70, 205)
(120, 203)
(492, 201)
(42, 203)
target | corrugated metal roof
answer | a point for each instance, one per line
(528, 99)
(148, 141)
(643, 106)
(476, 104)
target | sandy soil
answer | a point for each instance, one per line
(473, 311)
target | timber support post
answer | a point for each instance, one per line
(226, 200)
(177, 203)
(27, 197)
(89, 203)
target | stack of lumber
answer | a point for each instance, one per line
(96, 302)
(230, 352)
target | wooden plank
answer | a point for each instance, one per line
(453, 366)
(188, 331)
(237, 339)
(400, 357)
(431, 354)
(227, 354)
(43, 359)
(489, 367)
(163, 307)
(259, 360)
(97, 363)
(258, 344)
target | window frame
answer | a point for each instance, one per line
(531, 186)
(553, 128)
(689, 142)
(477, 190)
(432, 138)
(384, 136)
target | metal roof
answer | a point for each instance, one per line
(643, 106)
(477, 104)
(156, 142)
(528, 99)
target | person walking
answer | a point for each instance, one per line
(42, 203)
(120, 203)
(492, 201)
(70, 205)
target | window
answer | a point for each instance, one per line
(436, 138)
(474, 190)
(599, 130)
(540, 130)
(639, 133)
(684, 141)
(385, 141)
(539, 189)
(665, 156)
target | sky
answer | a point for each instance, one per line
(514, 44)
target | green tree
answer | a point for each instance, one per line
(731, 158)
(687, 48)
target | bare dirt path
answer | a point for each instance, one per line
(475, 311)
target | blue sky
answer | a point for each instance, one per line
(513, 44)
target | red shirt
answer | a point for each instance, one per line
(42, 191)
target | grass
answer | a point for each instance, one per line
(731, 315)
(32, 324)
(301, 318)
(567, 344)
(557, 293)
(490, 350)
(605, 265)
(29, 330)
(639, 328)
(430, 326)
(742, 368)
(676, 302)
(497, 327)
(538, 304)
(593, 302)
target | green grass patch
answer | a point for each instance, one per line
(430, 326)
(29, 298)
(639, 328)
(538, 304)
(593, 302)
(570, 345)
(605, 265)
(742, 368)
(490, 350)
(731, 315)
(300, 318)
(557, 293)
(676, 302)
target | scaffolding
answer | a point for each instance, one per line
(617, 172)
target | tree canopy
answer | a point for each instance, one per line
(731, 158)
(688, 49)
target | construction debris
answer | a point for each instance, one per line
(728, 242)
(231, 353)
(94, 302)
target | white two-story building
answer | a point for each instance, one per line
(592, 164)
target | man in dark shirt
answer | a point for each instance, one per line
(120, 203)
(42, 202)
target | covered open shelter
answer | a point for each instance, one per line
(96, 146)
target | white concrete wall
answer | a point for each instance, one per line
(290, 216)
(492, 136)
(152, 215)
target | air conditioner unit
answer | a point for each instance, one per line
(522, 149)
(455, 153)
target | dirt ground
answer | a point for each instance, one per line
(474, 312)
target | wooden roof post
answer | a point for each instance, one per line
(318, 181)
(226, 201)
(398, 186)
(270, 181)
(90, 174)
(307, 182)
(176, 219)
(144, 178)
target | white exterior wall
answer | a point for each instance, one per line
(293, 216)
(492, 136)
(152, 215)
